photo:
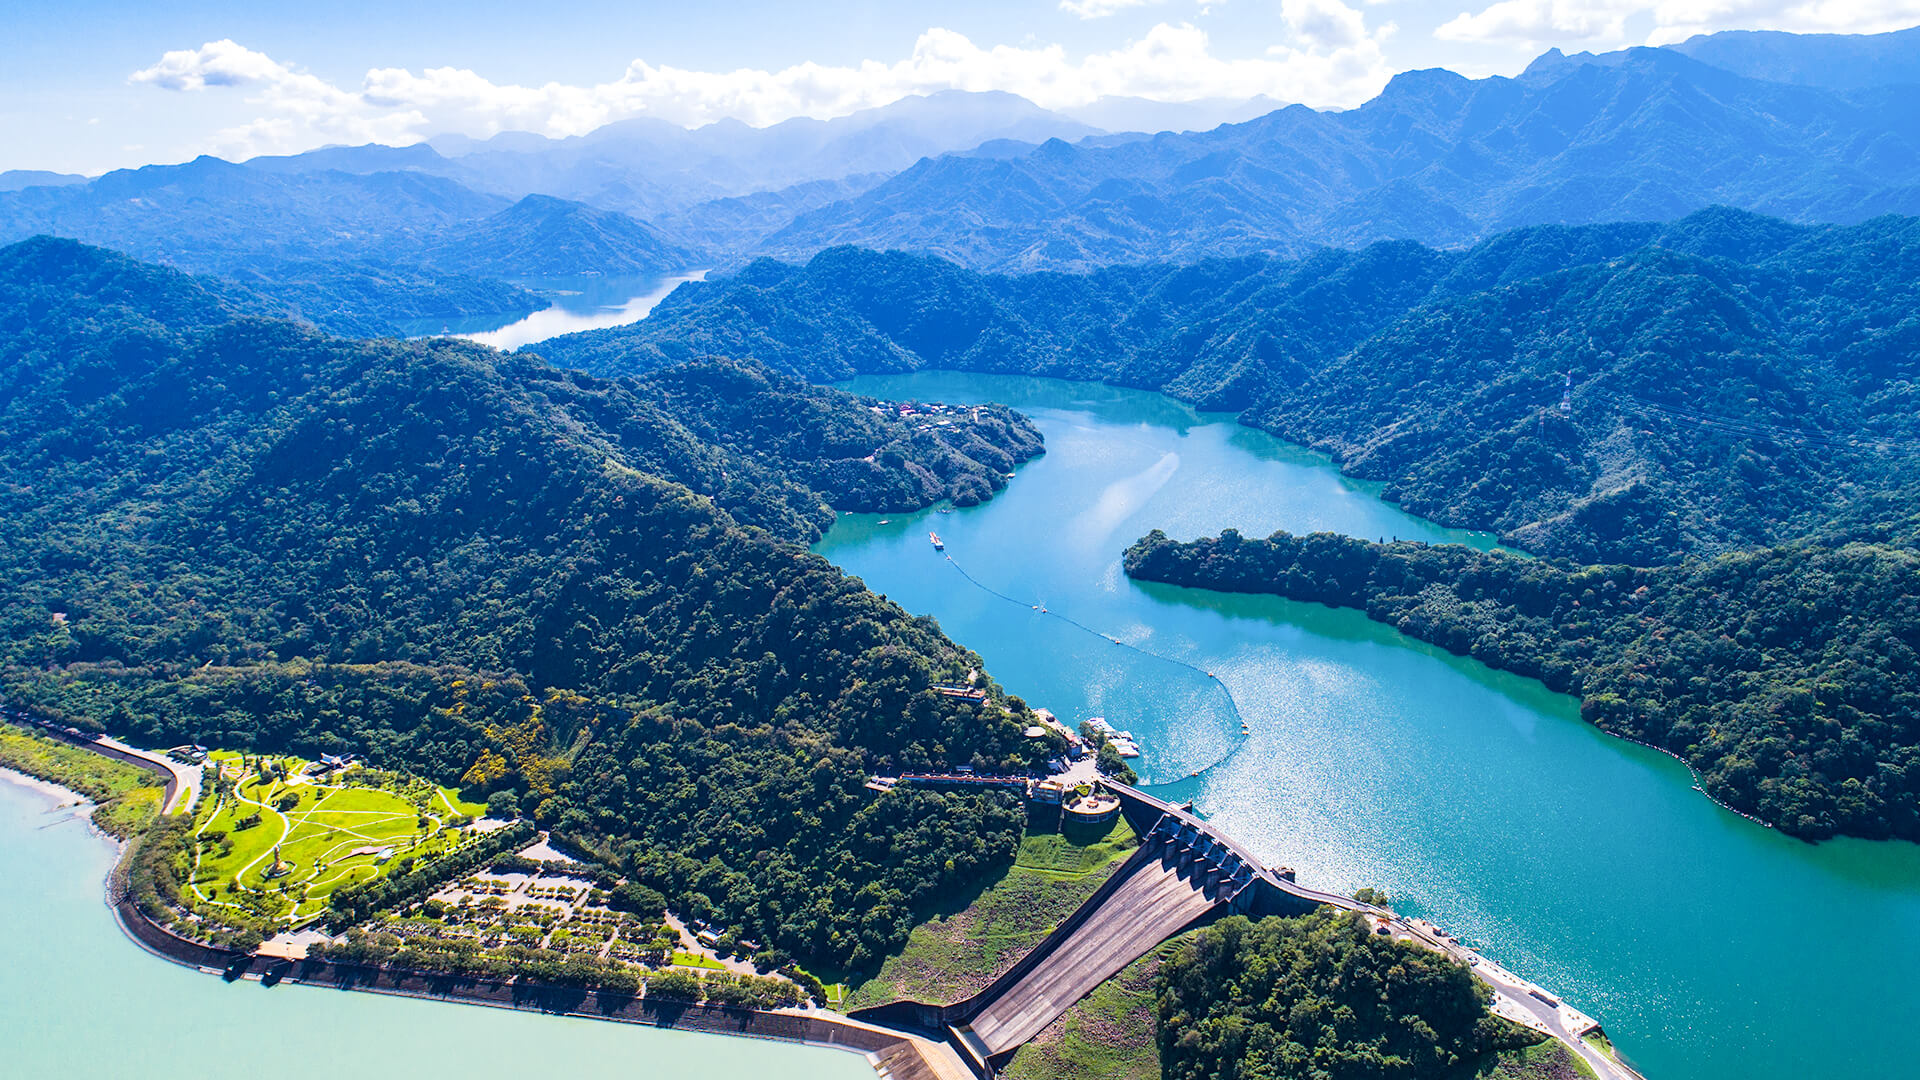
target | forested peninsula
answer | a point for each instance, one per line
(1729, 379)
(1788, 677)
(593, 593)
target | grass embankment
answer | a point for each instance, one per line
(1549, 1060)
(127, 797)
(1108, 1035)
(958, 952)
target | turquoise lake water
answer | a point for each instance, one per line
(577, 303)
(1709, 947)
(78, 1001)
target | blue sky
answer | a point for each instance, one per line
(86, 86)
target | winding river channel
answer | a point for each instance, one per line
(1711, 948)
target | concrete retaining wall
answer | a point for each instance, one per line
(513, 994)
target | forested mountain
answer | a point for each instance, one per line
(650, 167)
(230, 528)
(541, 236)
(1435, 157)
(1735, 379)
(361, 299)
(16, 179)
(1321, 997)
(212, 216)
(354, 253)
(1835, 61)
(1789, 676)
(869, 459)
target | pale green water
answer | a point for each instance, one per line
(79, 1001)
(1711, 949)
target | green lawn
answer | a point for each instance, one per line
(694, 960)
(953, 955)
(336, 834)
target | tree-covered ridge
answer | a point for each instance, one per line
(478, 567)
(368, 299)
(862, 459)
(1320, 997)
(1735, 379)
(1789, 677)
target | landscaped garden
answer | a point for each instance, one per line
(274, 839)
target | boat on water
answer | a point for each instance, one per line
(886, 521)
(938, 544)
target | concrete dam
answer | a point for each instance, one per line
(1182, 875)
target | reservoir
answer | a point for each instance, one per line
(1709, 947)
(79, 1001)
(579, 303)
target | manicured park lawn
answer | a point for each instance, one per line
(339, 831)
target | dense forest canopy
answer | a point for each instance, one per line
(1734, 379)
(230, 528)
(1789, 676)
(1320, 997)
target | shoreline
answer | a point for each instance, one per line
(64, 798)
(821, 1029)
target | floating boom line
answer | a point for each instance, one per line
(1233, 706)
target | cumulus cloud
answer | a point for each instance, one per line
(1325, 23)
(1333, 59)
(1606, 22)
(1098, 9)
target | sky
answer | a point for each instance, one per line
(92, 85)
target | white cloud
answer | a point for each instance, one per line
(1325, 23)
(1099, 9)
(1605, 22)
(1333, 60)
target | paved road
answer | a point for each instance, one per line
(1514, 993)
(186, 778)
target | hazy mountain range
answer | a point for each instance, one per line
(1650, 134)
(1812, 128)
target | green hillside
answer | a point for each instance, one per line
(234, 530)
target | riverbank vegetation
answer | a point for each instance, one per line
(126, 797)
(1788, 676)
